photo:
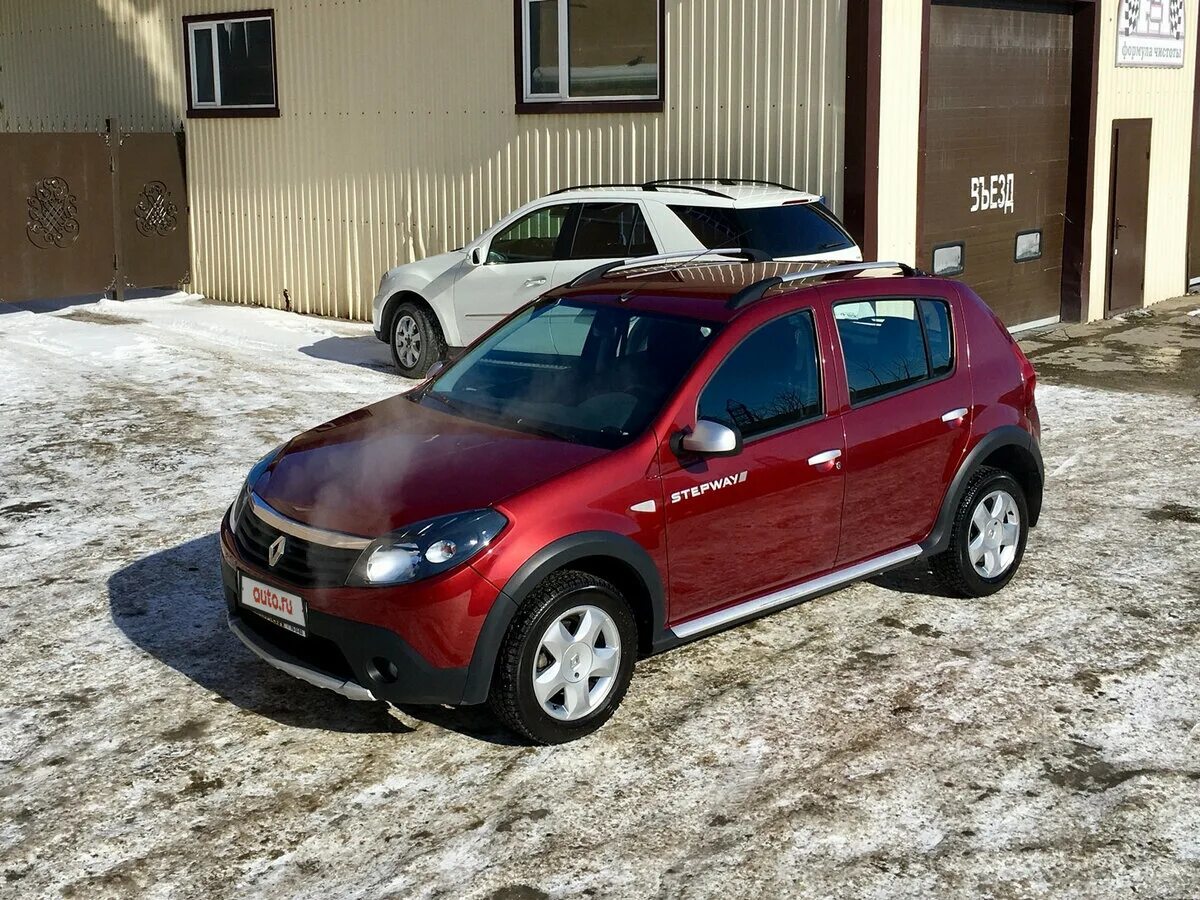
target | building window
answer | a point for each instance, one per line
(589, 54)
(231, 64)
(1029, 246)
(949, 259)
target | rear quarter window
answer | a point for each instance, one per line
(803, 229)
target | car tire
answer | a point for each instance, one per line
(416, 340)
(987, 539)
(550, 689)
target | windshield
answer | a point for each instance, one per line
(590, 374)
(780, 231)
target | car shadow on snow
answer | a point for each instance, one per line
(364, 351)
(171, 604)
(915, 578)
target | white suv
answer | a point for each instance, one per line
(425, 308)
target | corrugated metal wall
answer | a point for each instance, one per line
(1164, 95)
(398, 137)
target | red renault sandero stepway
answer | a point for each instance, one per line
(567, 495)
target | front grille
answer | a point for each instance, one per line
(318, 652)
(303, 563)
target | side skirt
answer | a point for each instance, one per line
(758, 606)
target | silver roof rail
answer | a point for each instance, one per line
(638, 262)
(753, 292)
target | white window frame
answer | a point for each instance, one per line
(564, 61)
(212, 25)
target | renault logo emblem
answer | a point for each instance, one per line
(276, 549)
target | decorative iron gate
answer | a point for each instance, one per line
(85, 213)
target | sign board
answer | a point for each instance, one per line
(1150, 33)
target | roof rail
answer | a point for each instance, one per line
(649, 185)
(753, 292)
(680, 184)
(586, 187)
(593, 275)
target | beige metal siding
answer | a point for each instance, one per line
(899, 107)
(1164, 95)
(398, 137)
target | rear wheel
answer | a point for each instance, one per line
(417, 341)
(988, 538)
(567, 659)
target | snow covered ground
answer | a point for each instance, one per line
(879, 742)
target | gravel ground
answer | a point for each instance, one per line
(883, 741)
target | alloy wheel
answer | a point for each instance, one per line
(994, 534)
(577, 661)
(408, 341)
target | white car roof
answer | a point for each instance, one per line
(700, 192)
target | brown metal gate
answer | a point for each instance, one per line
(85, 213)
(997, 142)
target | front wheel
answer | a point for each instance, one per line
(988, 537)
(567, 659)
(417, 341)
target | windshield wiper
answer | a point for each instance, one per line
(448, 402)
(543, 431)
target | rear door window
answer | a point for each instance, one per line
(890, 344)
(611, 231)
(802, 229)
(771, 380)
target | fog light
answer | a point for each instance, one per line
(441, 551)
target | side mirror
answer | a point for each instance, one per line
(477, 256)
(710, 438)
(435, 370)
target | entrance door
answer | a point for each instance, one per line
(1127, 215)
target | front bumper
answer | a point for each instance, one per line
(343, 650)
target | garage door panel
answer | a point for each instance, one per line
(998, 105)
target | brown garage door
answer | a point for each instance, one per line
(997, 126)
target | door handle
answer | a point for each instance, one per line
(824, 459)
(955, 416)
(536, 282)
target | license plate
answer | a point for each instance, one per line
(282, 608)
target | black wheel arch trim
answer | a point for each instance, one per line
(1004, 436)
(554, 556)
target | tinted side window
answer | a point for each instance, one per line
(935, 315)
(771, 379)
(531, 238)
(882, 344)
(608, 230)
(801, 229)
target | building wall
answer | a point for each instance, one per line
(899, 104)
(398, 137)
(1164, 95)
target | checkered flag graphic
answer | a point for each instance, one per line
(1175, 17)
(1131, 10)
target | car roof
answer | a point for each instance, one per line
(705, 289)
(727, 193)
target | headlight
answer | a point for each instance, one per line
(427, 548)
(239, 502)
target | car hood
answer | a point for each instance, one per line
(430, 267)
(395, 463)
